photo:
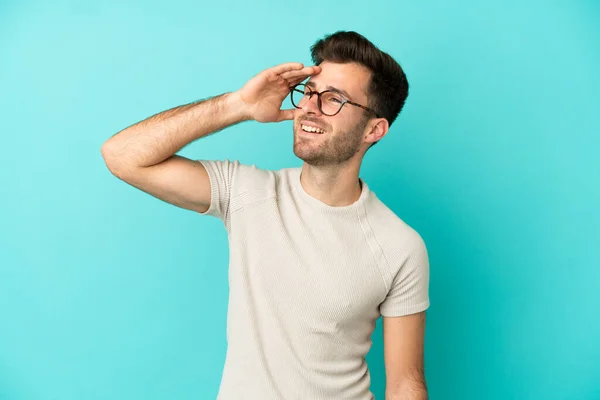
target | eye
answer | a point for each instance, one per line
(333, 98)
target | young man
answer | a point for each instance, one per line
(315, 256)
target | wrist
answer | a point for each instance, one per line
(238, 107)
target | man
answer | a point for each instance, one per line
(315, 256)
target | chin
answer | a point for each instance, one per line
(303, 152)
(310, 156)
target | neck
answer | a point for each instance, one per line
(336, 185)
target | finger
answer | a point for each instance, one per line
(286, 115)
(292, 81)
(294, 74)
(306, 71)
(291, 66)
(296, 81)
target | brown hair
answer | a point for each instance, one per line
(388, 87)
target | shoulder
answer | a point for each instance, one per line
(399, 241)
(245, 177)
(385, 221)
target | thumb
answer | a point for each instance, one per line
(285, 115)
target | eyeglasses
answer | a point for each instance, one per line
(330, 102)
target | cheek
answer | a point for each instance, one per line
(342, 128)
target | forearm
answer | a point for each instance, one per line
(160, 136)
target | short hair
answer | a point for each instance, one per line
(388, 88)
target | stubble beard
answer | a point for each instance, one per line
(333, 149)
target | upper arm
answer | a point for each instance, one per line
(177, 180)
(403, 339)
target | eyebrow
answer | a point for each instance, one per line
(341, 91)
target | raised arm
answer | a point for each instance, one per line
(144, 154)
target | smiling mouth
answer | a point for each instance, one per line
(311, 129)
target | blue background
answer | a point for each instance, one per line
(109, 293)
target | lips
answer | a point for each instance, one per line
(311, 127)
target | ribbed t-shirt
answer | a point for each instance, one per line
(307, 283)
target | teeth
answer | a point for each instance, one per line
(312, 129)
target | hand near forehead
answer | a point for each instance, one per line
(264, 93)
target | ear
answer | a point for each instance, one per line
(376, 130)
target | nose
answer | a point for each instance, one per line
(311, 105)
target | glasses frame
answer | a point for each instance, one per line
(312, 92)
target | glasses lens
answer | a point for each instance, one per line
(331, 103)
(300, 95)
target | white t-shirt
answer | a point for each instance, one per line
(307, 282)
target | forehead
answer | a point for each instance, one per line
(351, 77)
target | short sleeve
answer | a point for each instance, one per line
(222, 175)
(409, 292)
